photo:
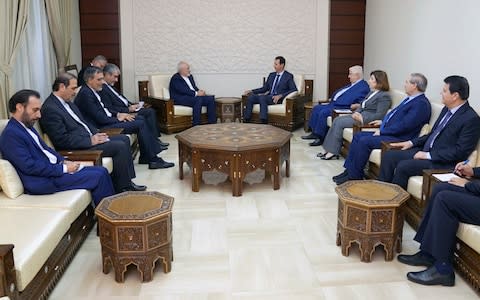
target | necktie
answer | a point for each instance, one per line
(431, 139)
(390, 114)
(275, 84)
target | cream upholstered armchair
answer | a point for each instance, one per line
(171, 117)
(290, 114)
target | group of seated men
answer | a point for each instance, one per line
(453, 137)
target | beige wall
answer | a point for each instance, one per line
(434, 37)
(231, 45)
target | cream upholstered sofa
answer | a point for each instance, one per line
(39, 235)
(288, 115)
(171, 117)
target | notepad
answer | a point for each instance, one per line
(445, 177)
(342, 111)
(140, 105)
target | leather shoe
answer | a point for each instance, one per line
(344, 173)
(316, 142)
(160, 164)
(325, 157)
(311, 136)
(263, 121)
(134, 187)
(431, 276)
(417, 259)
(343, 179)
(163, 144)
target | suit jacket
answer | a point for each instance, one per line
(376, 107)
(353, 95)
(179, 88)
(458, 138)
(284, 87)
(92, 110)
(112, 102)
(32, 165)
(474, 185)
(64, 132)
(409, 119)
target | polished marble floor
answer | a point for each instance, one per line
(264, 245)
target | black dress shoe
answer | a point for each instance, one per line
(344, 173)
(417, 259)
(311, 136)
(316, 142)
(263, 121)
(134, 187)
(342, 180)
(325, 157)
(320, 154)
(163, 144)
(431, 276)
(160, 164)
(162, 148)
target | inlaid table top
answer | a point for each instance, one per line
(372, 193)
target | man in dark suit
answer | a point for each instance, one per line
(403, 122)
(450, 203)
(278, 85)
(68, 130)
(94, 111)
(452, 139)
(41, 169)
(116, 103)
(184, 91)
(98, 61)
(343, 98)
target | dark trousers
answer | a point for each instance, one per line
(94, 179)
(448, 205)
(362, 145)
(196, 104)
(398, 165)
(318, 119)
(263, 100)
(150, 118)
(148, 142)
(118, 148)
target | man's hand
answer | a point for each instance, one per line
(458, 181)
(132, 107)
(354, 106)
(201, 93)
(123, 117)
(420, 155)
(463, 170)
(72, 167)
(376, 132)
(99, 138)
(357, 117)
(402, 145)
(276, 98)
(247, 92)
(376, 123)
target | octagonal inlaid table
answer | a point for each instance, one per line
(135, 228)
(370, 213)
(234, 149)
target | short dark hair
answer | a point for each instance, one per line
(458, 84)
(21, 97)
(62, 78)
(382, 80)
(110, 69)
(99, 58)
(90, 73)
(281, 59)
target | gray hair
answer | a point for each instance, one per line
(99, 58)
(111, 68)
(181, 64)
(419, 80)
(357, 70)
(90, 73)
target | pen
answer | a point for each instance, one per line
(463, 164)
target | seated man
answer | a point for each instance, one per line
(450, 203)
(340, 99)
(184, 91)
(98, 61)
(278, 85)
(403, 122)
(117, 103)
(68, 130)
(452, 139)
(94, 111)
(41, 169)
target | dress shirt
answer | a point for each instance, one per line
(341, 92)
(369, 97)
(124, 100)
(187, 80)
(73, 114)
(101, 103)
(277, 79)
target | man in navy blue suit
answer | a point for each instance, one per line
(98, 61)
(452, 139)
(184, 91)
(343, 98)
(278, 85)
(404, 122)
(94, 111)
(41, 169)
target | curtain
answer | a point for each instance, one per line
(59, 14)
(13, 22)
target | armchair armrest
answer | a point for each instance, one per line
(357, 127)
(336, 113)
(8, 279)
(112, 131)
(323, 101)
(429, 181)
(93, 156)
(388, 146)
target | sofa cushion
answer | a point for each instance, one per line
(9, 181)
(277, 109)
(329, 121)
(107, 162)
(376, 157)
(181, 110)
(73, 201)
(348, 134)
(414, 186)
(470, 235)
(37, 233)
(157, 85)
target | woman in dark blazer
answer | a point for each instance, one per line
(373, 107)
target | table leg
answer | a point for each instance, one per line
(196, 171)
(287, 168)
(180, 160)
(366, 251)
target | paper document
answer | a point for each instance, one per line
(342, 111)
(445, 177)
(140, 106)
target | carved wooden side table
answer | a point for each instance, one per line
(135, 228)
(308, 111)
(229, 109)
(370, 213)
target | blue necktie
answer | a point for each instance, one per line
(431, 139)
(390, 114)
(275, 84)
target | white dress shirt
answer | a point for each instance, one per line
(124, 100)
(101, 103)
(187, 80)
(73, 114)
